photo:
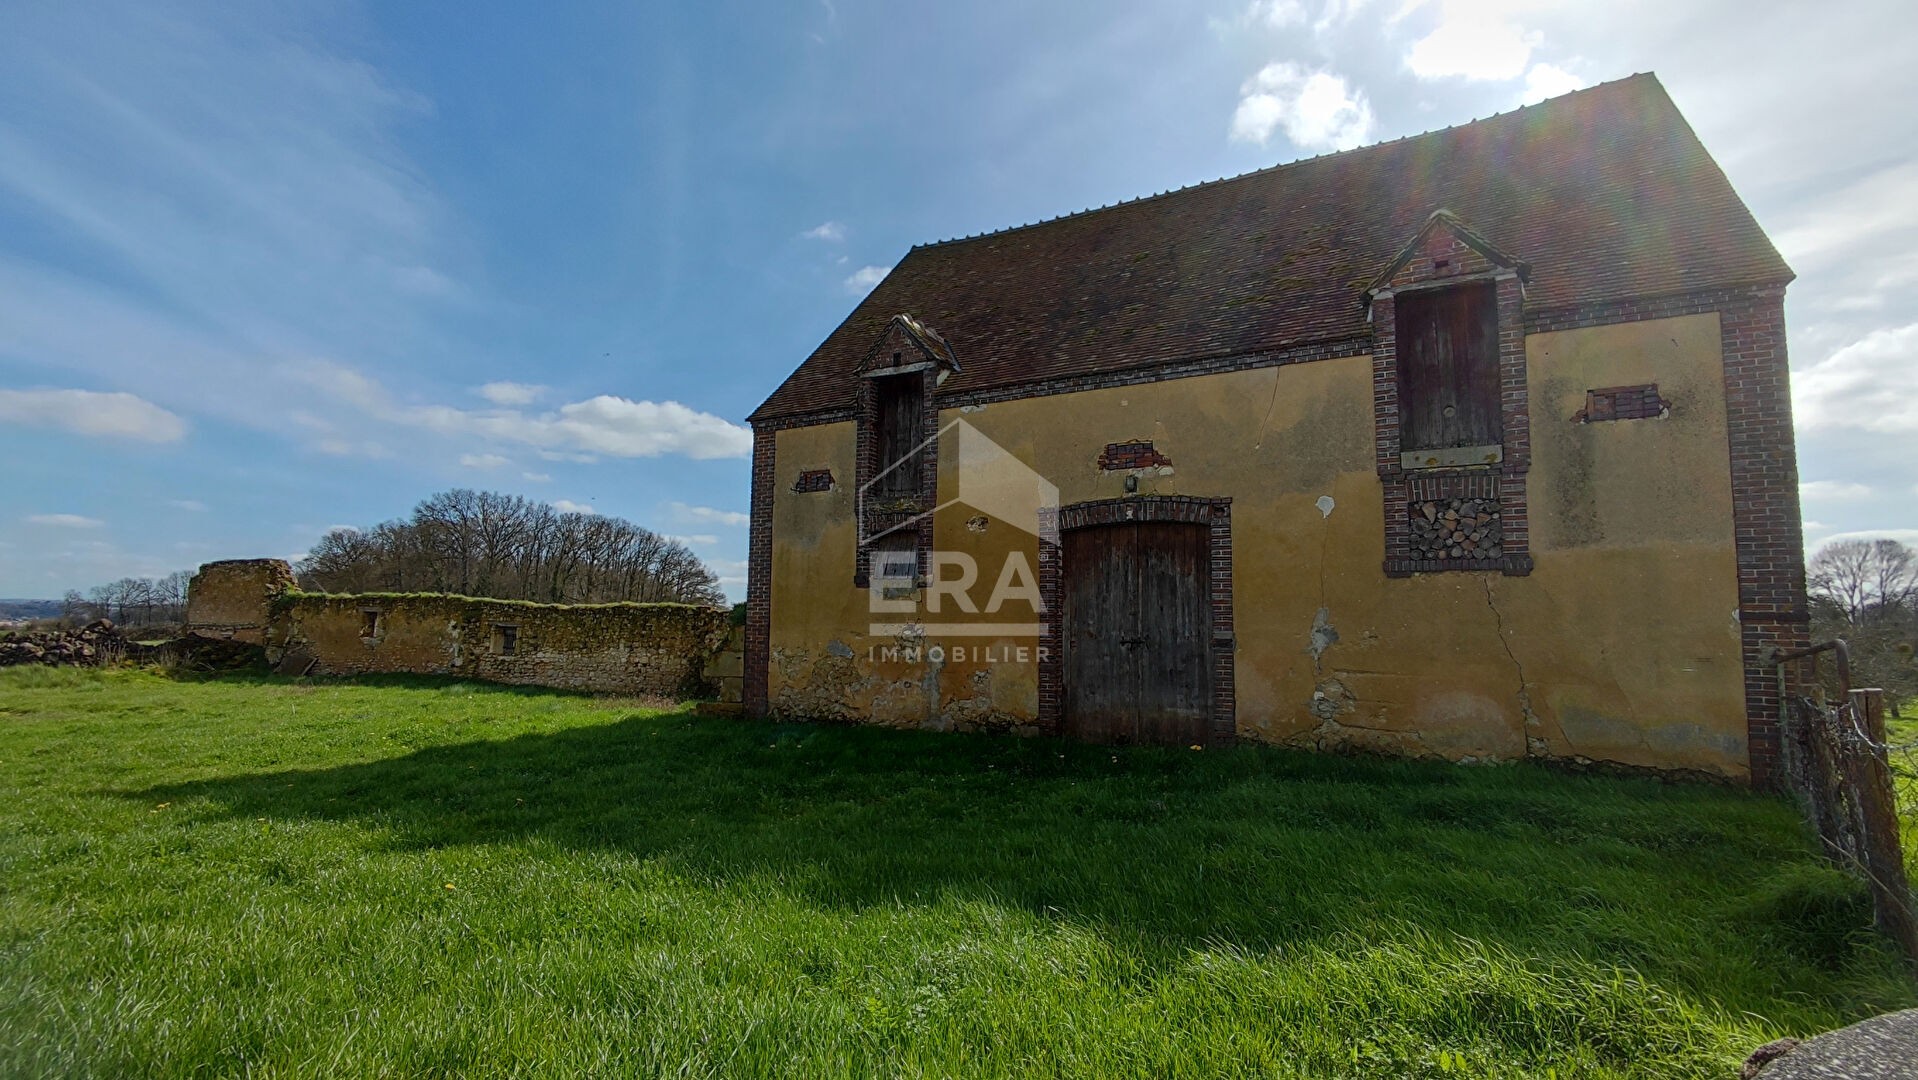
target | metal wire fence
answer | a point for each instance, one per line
(1848, 774)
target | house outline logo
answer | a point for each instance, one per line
(985, 477)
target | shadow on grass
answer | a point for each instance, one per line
(1167, 848)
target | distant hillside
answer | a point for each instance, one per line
(29, 609)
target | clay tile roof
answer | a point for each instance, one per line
(1605, 193)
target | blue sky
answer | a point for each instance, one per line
(272, 267)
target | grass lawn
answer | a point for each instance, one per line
(1901, 731)
(409, 878)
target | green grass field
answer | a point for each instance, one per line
(408, 878)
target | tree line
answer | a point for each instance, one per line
(482, 543)
(1866, 592)
(129, 601)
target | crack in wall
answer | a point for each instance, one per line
(1533, 745)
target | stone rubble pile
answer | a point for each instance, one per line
(93, 643)
(1455, 529)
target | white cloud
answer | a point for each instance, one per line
(89, 412)
(64, 521)
(568, 506)
(614, 426)
(1903, 536)
(483, 461)
(1269, 14)
(1832, 491)
(1547, 81)
(695, 540)
(194, 505)
(1871, 384)
(830, 231)
(510, 393)
(708, 515)
(1883, 204)
(536, 477)
(863, 279)
(1316, 109)
(1474, 39)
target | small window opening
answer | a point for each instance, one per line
(1448, 368)
(370, 623)
(895, 565)
(902, 413)
(505, 639)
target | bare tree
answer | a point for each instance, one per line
(487, 544)
(1866, 591)
(1860, 577)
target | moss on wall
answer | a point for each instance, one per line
(615, 648)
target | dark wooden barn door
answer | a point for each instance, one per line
(1448, 367)
(1137, 624)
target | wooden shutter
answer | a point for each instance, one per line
(1448, 368)
(902, 412)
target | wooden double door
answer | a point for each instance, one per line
(1137, 628)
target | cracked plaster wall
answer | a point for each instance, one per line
(1622, 645)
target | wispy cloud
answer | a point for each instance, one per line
(1833, 491)
(1870, 385)
(193, 505)
(568, 506)
(510, 393)
(1317, 110)
(483, 461)
(64, 521)
(865, 278)
(830, 231)
(708, 515)
(613, 426)
(91, 413)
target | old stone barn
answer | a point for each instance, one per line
(1475, 444)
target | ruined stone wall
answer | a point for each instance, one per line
(233, 600)
(609, 648)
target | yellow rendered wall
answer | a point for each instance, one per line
(1621, 646)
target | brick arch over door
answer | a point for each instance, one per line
(1216, 515)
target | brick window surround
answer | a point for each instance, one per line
(1216, 513)
(1401, 487)
(880, 515)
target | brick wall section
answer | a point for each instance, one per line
(759, 572)
(1138, 454)
(813, 481)
(1214, 513)
(1773, 614)
(604, 648)
(232, 600)
(1622, 403)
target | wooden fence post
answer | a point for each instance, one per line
(1877, 800)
